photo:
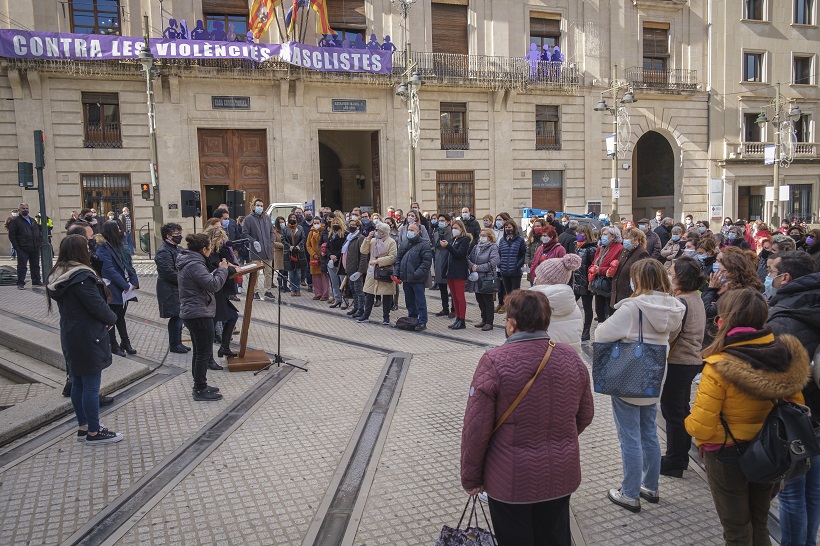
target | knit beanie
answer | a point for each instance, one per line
(557, 270)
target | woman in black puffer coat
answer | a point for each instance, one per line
(587, 243)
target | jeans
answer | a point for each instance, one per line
(119, 310)
(129, 242)
(587, 303)
(445, 297)
(85, 397)
(415, 301)
(456, 287)
(387, 303)
(602, 308)
(675, 408)
(531, 524)
(800, 508)
(335, 284)
(295, 280)
(485, 304)
(357, 289)
(174, 331)
(743, 507)
(640, 449)
(227, 329)
(509, 284)
(26, 260)
(202, 338)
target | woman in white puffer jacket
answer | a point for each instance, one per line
(551, 278)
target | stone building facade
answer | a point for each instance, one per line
(495, 133)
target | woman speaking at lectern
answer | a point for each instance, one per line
(197, 307)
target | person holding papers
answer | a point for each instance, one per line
(121, 278)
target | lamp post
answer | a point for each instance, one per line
(623, 130)
(783, 120)
(147, 60)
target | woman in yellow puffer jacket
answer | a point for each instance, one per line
(746, 368)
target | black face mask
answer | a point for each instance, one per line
(795, 237)
(309, 217)
(176, 239)
(88, 218)
(508, 232)
(92, 245)
(336, 228)
(352, 229)
(292, 221)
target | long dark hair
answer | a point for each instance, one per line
(111, 233)
(73, 249)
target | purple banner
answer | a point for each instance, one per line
(20, 44)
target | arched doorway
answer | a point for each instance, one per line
(654, 162)
(331, 180)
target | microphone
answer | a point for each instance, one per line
(237, 241)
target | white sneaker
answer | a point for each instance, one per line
(616, 496)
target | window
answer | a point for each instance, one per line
(655, 51)
(802, 128)
(450, 27)
(545, 30)
(802, 70)
(455, 190)
(347, 16)
(106, 192)
(547, 129)
(803, 12)
(753, 67)
(95, 16)
(454, 126)
(753, 9)
(226, 20)
(751, 130)
(800, 201)
(548, 190)
(101, 117)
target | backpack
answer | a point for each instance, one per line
(783, 448)
(407, 323)
(8, 276)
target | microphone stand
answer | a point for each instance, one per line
(277, 357)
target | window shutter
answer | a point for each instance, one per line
(450, 29)
(346, 14)
(655, 41)
(546, 113)
(225, 7)
(545, 25)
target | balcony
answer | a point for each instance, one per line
(102, 135)
(675, 79)
(547, 140)
(754, 150)
(454, 140)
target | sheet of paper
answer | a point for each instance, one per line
(129, 294)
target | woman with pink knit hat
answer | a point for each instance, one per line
(551, 279)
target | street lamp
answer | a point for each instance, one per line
(147, 60)
(409, 92)
(623, 131)
(785, 139)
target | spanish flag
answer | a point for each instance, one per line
(262, 16)
(322, 23)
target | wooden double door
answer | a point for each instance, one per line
(233, 159)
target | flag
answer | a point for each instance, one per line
(290, 16)
(262, 16)
(322, 23)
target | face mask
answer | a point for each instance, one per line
(715, 267)
(411, 220)
(580, 238)
(411, 235)
(795, 237)
(434, 222)
(335, 228)
(690, 252)
(810, 241)
(281, 225)
(689, 222)
(317, 226)
(486, 223)
(292, 221)
(508, 232)
(627, 244)
(176, 239)
(127, 214)
(354, 217)
(605, 240)
(769, 287)
(225, 223)
(643, 227)
(482, 240)
(456, 232)
(631, 284)
(352, 229)
(564, 224)
(499, 224)
(378, 235)
(415, 209)
(397, 217)
(701, 257)
(109, 218)
(731, 236)
(93, 214)
(676, 238)
(88, 218)
(257, 210)
(309, 217)
(701, 230)
(299, 217)
(465, 215)
(14, 214)
(537, 230)
(25, 213)
(365, 221)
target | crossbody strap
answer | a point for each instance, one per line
(526, 388)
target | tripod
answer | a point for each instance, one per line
(277, 357)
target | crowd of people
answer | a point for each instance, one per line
(736, 307)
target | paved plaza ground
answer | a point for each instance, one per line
(362, 449)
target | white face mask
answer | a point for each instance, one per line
(456, 232)
(482, 239)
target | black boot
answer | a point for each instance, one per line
(460, 326)
(223, 351)
(212, 365)
(126, 346)
(585, 335)
(116, 350)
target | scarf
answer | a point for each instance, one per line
(378, 248)
(350, 237)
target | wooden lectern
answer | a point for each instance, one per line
(248, 361)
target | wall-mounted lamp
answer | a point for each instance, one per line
(360, 179)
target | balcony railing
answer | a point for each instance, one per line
(102, 135)
(547, 140)
(675, 79)
(755, 150)
(454, 140)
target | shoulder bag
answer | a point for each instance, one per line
(489, 284)
(628, 369)
(382, 273)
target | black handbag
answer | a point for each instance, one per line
(601, 285)
(489, 284)
(469, 536)
(628, 369)
(382, 273)
(783, 448)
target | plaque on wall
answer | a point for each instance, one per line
(348, 105)
(231, 103)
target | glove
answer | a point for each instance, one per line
(592, 272)
(613, 268)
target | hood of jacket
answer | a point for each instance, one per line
(60, 279)
(561, 296)
(187, 257)
(740, 364)
(663, 311)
